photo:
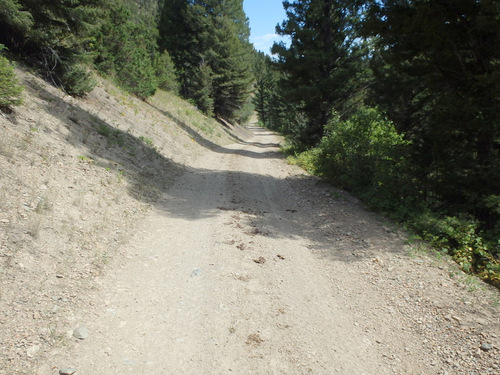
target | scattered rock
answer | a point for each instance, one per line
(486, 347)
(261, 260)
(196, 272)
(32, 350)
(254, 338)
(67, 371)
(81, 333)
(279, 256)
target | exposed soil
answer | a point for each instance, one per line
(208, 254)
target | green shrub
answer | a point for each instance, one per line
(77, 80)
(459, 237)
(365, 155)
(10, 90)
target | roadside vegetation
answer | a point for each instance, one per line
(397, 102)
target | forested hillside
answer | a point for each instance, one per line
(396, 101)
(199, 48)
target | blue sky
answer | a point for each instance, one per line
(264, 15)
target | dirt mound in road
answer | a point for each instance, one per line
(76, 176)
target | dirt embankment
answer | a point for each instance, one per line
(76, 178)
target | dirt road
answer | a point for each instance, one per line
(250, 267)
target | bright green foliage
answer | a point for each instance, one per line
(364, 154)
(165, 73)
(10, 90)
(458, 236)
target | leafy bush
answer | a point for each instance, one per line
(365, 155)
(10, 90)
(459, 237)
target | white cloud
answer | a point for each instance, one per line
(265, 42)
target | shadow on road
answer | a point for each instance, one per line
(294, 207)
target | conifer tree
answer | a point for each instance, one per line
(209, 38)
(54, 35)
(179, 33)
(165, 73)
(266, 79)
(10, 90)
(321, 64)
(127, 49)
(438, 79)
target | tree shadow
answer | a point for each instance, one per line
(264, 210)
(131, 157)
(203, 141)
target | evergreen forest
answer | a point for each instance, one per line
(396, 101)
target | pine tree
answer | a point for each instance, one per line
(10, 90)
(54, 35)
(202, 86)
(165, 73)
(322, 62)
(209, 34)
(229, 58)
(127, 50)
(266, 80)
(15, 22)
(179, 33)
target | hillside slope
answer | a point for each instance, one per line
(76, 178)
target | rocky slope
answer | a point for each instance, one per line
(76, 178)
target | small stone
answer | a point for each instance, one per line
(486, 347)
(32, 350)
(196, 272)
(378, 260)
(81, 333)
(261, 260)
(4, 221)
(67, 371)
